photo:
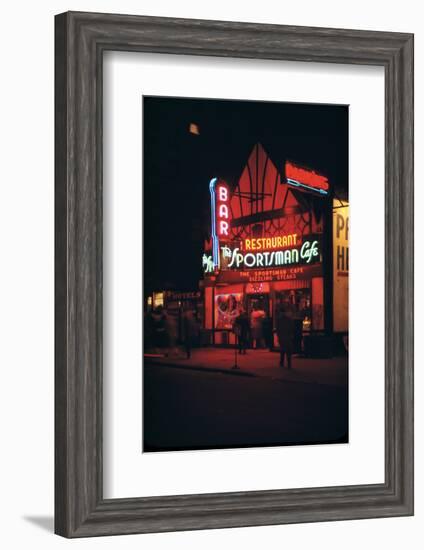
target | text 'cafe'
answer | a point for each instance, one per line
(278, 237)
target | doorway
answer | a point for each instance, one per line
(260, 324)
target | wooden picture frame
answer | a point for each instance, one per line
(81, 39)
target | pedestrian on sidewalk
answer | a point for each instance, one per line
(160, 339)
(285, 333)
(241, 329)
(171, 333)
(268, 334)
(189, 330)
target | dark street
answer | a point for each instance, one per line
(189, 409)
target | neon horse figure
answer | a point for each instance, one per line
(207, 264)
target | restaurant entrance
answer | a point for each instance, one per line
(258, 311)
(257, 302)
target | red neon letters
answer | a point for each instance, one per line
(307, 177)
(222, 211)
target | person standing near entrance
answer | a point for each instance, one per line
(285, 333)
(256, 321)
(241, 330)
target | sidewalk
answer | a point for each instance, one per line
(260, 363)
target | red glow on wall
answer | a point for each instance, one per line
(307, 177)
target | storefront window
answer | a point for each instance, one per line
(157, 299)
(227, 308)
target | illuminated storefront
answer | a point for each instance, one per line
(272, 242)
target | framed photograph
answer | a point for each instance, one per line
(234, 274)
(256, 274)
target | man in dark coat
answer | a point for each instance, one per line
(241, 330)
(285, 333)
(268, 334)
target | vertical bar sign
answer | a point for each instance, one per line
(220, 216)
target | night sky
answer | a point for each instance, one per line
(178, 166)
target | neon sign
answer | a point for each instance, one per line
(220, 215)
(223, 211)
(269, 243)
(306, 179)
(207, 264)
(308, 253)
